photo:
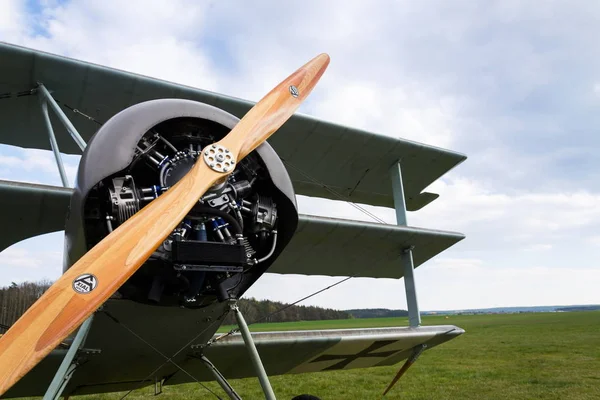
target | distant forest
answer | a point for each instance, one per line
(377, 313)
(17, 298)
(266, 311)
(595, 307)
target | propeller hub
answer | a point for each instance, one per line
(219, 158)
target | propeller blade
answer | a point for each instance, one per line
(114, 259)
(409, 362)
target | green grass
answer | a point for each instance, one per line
(513, 356)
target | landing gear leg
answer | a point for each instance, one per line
(258, 366)
(69, 363)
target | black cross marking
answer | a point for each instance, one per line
(348, 358)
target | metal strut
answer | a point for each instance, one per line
(61, 116)
(417, 350)
(410, 285)
(249, 342)
(220, 379)
(69, 364)
(53, 143)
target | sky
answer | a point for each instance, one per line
(513, 85)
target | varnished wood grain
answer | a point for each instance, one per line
(275, 108)
(61, 310)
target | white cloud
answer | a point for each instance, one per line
(456, 263)
(34, 259)
(18, 257)
(403, 111)
(594, 240)
(539, 247)
(12, 19)
(35, 166)
(453, 288)
(160, 43)
(520, 215)
(520, 286)
(10, 161)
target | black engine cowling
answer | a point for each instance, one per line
(228, 239)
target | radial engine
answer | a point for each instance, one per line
(228, 239)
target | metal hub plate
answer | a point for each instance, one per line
(219, 158)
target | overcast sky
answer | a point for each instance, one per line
(512, 84)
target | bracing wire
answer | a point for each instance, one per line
(332, 191)
(266, 317)
(168, 359)
(76, 111)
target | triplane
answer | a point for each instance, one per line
(179, 207)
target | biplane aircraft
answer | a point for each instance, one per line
(178, 209)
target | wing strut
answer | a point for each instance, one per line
(54, 144)
(409, 362)
(46, 96)
(406, 257)
(249, 342)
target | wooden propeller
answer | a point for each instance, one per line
(112, 261)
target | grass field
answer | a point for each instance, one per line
(512, 356)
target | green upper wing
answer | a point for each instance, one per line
(352, 163)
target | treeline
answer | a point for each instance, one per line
(17, 298)
(376, 313)
(268, 311)
(592, 307)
